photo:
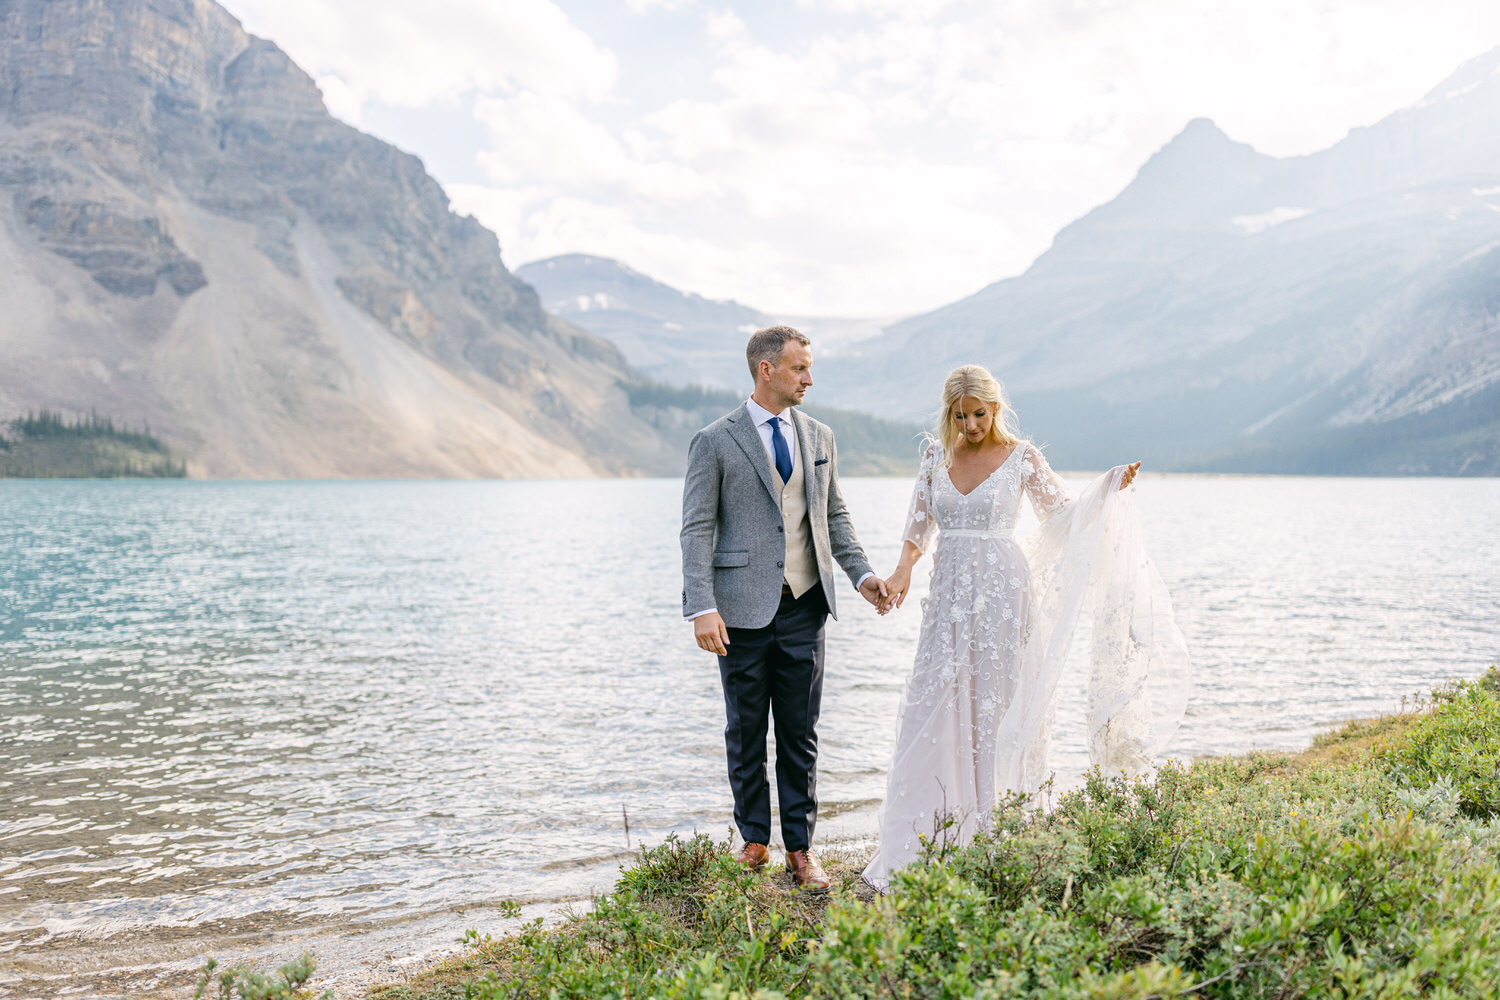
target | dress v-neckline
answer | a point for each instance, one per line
(948, 471)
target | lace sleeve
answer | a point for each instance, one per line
(1047, 492)
(920, 524)
(1089, 563)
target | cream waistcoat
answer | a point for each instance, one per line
(801, 565)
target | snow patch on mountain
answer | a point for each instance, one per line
(1252, 224)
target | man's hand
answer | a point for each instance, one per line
(710, 632)
(873, 590)
(1129, 477)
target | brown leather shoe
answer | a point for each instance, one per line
(807, 871)
(754, 856)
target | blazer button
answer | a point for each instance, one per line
(778, 564)
(780, 527)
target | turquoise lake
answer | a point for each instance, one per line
(224, 704)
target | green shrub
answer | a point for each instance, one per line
(241, 983)
(1460, 740)
(1363, 868)
(685, 921)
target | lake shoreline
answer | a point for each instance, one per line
(422, 956)
(1148, 900)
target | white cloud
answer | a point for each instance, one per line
(646, 6)
(409, 53)
(724, 24)
(916, 10)
(546, 141)
(343, 101)
(779, 192)
(856, 156)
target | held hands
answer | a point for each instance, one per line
(886, 595)
(874, 591)
(897, 586)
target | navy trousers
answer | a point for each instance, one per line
(776, 671)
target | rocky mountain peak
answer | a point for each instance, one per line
(1200, 166)
(1448, 134)
(1481, 72)
(1200, 140)
(1179, 203)
(263, 79)
(176, 185)
(1228, 310)
(114, 63)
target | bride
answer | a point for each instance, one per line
(997, 621)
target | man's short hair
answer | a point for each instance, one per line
(767, 345)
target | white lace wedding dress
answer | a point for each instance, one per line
(996, 626)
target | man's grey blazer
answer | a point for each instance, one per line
(733, 539)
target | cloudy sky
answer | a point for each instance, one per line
(843, 157)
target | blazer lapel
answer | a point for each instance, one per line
(745, 434)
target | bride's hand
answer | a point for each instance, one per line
(1129, 477)
(896, 587)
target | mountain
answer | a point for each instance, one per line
(674, 337)
(1337, 312)
(692, 353)
(191, 242)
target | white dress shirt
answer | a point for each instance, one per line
(763, 418)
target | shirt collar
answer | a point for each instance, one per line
(759, 414)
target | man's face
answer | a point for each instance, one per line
(791, 375)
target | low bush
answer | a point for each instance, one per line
(243, 983)
(1460, 741)
(1366, 867)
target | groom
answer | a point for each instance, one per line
(762, 524)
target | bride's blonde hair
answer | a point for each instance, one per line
(976, 382)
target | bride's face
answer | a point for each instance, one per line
(973, 418)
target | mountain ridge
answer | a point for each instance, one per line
(673, 336)
(196, 244)
(1228, 306)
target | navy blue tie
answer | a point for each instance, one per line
(782, 452)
